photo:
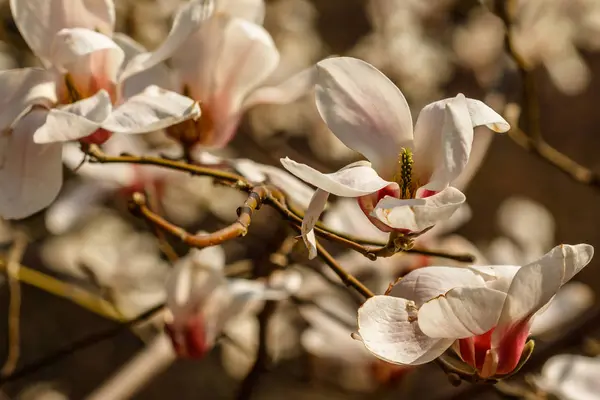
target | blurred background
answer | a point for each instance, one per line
(430, 49)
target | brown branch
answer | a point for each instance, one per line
(238, 228)
(530, 138)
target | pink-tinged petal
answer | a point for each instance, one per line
(424, 284)
(286, 92)
(151, 110)
(30, 173)
(571, 301)
(91, 60)
(368, 203)
(187, 20)
(444, 138)
(365, 110)
(22, 89)
(535, 284)
(251, 10)
(354, 180)
(158, 75)
(416, 215)
(76, 120)
(389, 329)
(461, 312)
(40, 20)
(315, 208)
(224, 60)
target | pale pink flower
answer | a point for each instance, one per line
(405, 184)
(484, 312)
(72, 98)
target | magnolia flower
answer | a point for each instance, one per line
(201, 300)
(405, 186)
(221, 62)
(71, 99)
(571, 377)
(483, 313)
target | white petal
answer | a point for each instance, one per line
(346, 216)
(286, 92)
(364, 109)
(151, 110)
(224, 60)
(22, 89)
(76, 120)
(354, 180)
(389, 329)
(424, 284)
(461, 312)
(481, 114)
(90, 57)
(315, 208)
(572, 300)
(416, 215)
(158, 75)
(187, 20)
(40, 20)
(251, 10)
(30, 173)
(534, 285)
(482, 138)
(456, 141)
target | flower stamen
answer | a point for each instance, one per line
(404, 173)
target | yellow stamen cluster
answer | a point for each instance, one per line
(404, 173)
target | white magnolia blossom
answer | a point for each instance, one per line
(571, 377)
(483, 312)
(201, 300)
(79, 95)
(222, 62)
(405, 185)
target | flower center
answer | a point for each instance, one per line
(404, 174)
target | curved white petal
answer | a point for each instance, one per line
(354, 180)
(30, 173)
(571, 301)
(40, 20)
(158, 75)
(461, 312)
(364, 109)
(534, 285)
(151, 110)
(91, 59)
(22, 89)
(389, 330)
(187, 20)
(481, 114)
(482, 139)
(315, 208)
(424, 284)
(454, 144)
(76, 120)
(224, 60)
(286, 92)
(416, 215)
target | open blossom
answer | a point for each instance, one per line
(79, 95)
(405, 184)
(201, 300)
(483, 313)
(223, 62)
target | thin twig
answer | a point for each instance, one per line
(530, 137)
(14, 309)
(163, 243)
(80, 344)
